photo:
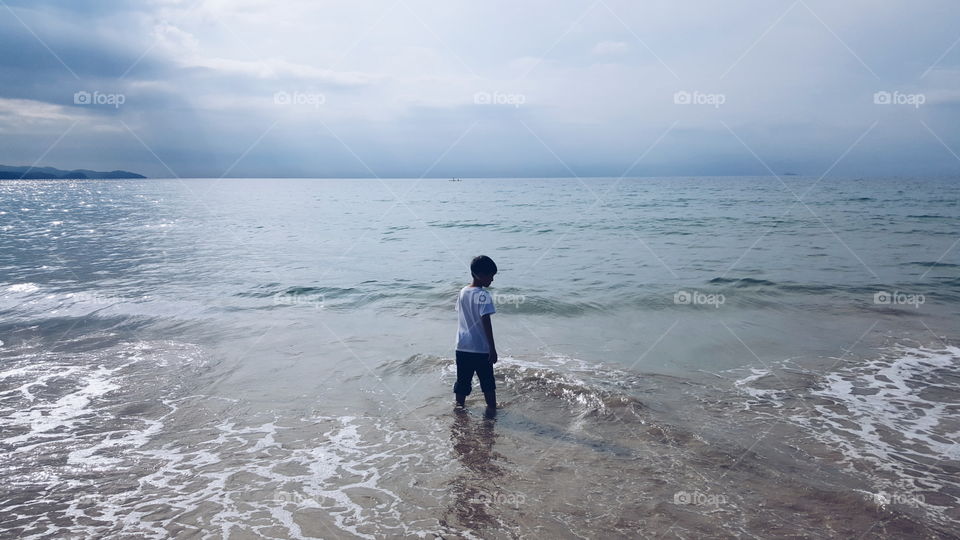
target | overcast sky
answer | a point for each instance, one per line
(411, 88)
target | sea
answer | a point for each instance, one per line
(689, 357)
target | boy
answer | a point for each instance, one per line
(476, 351)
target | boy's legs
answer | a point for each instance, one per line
(491, 398)
(465, 368)
(487, 383)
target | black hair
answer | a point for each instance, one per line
(483, 265)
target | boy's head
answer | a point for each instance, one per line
(483, 269)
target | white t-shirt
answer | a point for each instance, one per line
(473, 303)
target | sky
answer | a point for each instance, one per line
(409, 88)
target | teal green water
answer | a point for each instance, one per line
(289, 341)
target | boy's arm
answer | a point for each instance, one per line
(488, 330)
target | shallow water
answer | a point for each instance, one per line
(702, 357)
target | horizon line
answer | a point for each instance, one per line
(790, 175)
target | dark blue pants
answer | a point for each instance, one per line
(469, 363)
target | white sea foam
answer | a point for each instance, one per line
(252, 477)
(23, 288)
(884, 395)
(65, 412)
(60, 406)
(759, 395)
(285, 481)
(896, 413)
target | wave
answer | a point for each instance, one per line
(32, 303)
(776, 287)
(742, 282)
(459, 224)
(590, 388)
(788, 286)
(931, 264)
(276, 290)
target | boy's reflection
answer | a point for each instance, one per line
(475, 488)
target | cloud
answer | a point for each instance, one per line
(184, 50)
(22, 113)
(278, 68)
(399, 85)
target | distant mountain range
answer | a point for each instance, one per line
(8, 172)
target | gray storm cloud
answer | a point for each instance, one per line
(495, 89)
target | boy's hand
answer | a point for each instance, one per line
(488, 331)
